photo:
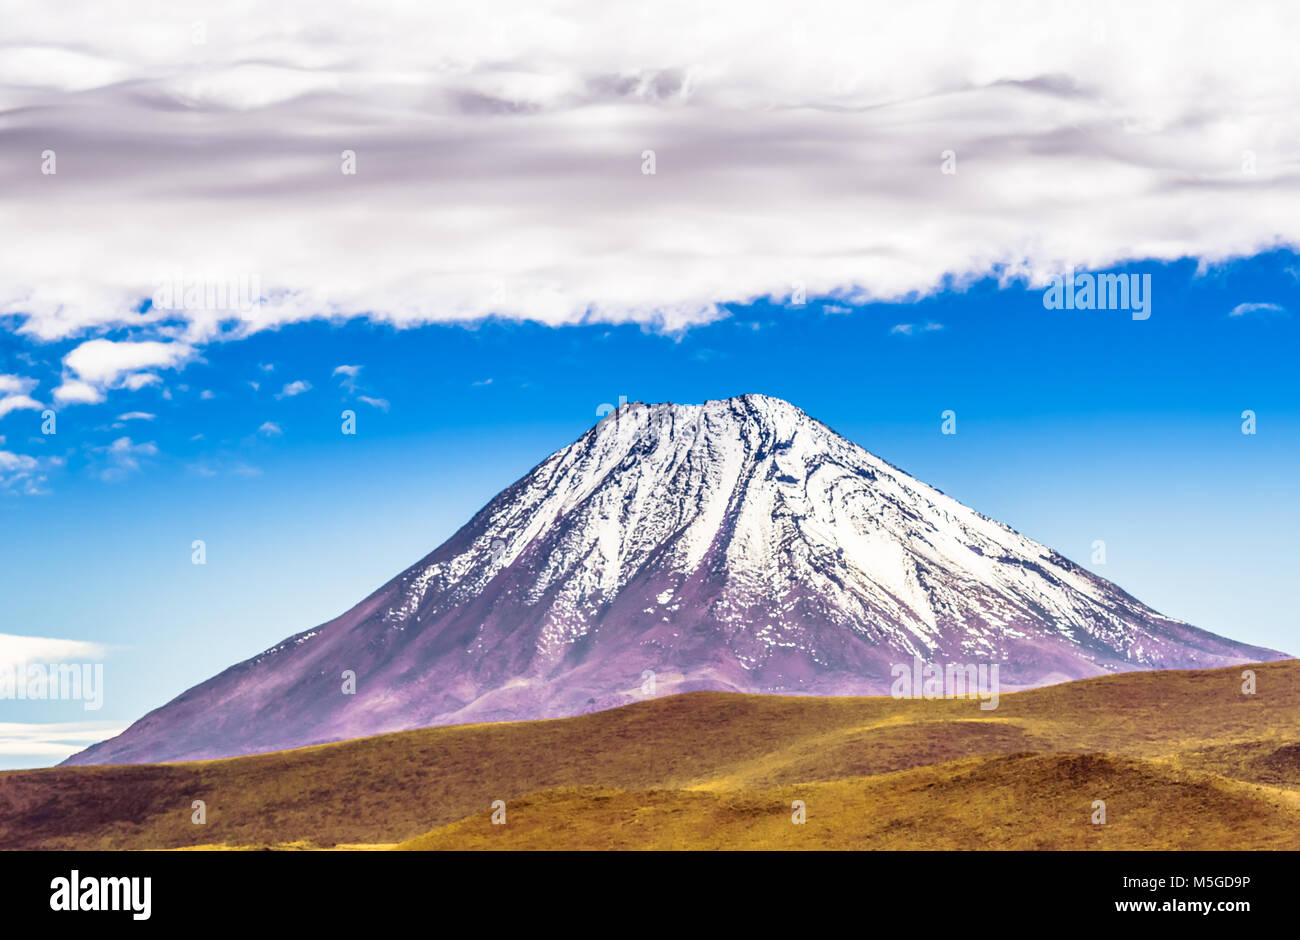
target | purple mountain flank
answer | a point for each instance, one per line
(736, 545)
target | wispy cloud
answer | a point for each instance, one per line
(15, 384)
(53, 739)
(294, 388)
(25, 474)
(349, 374)
(139, 380)
(223, 466)
(912, 329)
(1242, 310)
(122, 458)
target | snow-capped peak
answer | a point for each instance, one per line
(738, 544)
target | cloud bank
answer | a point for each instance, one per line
(51, 741)
(188, 175)
(19, 650)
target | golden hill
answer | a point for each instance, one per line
(1181, 759)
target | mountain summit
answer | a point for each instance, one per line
(736, 545)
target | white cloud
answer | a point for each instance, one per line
(139, 380)
(270, 429)
(1242, 310)
(12, 465)
(15, 650)
(911, 329)
(22, 473)
(14, 394)
(16, 385)
(499, 171)
(349, 374)
(123, 458)
(294, 388)
(104, 362)
(100, 364)
(73, 392)
(124, 445)
(18, 402)
(136, 416)
(380, 403)
(12, 461)
(52, 740)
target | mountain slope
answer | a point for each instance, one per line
(737, 545)
(1183, 759)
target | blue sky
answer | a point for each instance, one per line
(1073, 426)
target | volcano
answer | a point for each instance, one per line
(736, 545)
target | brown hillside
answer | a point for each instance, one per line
(1182, 759)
